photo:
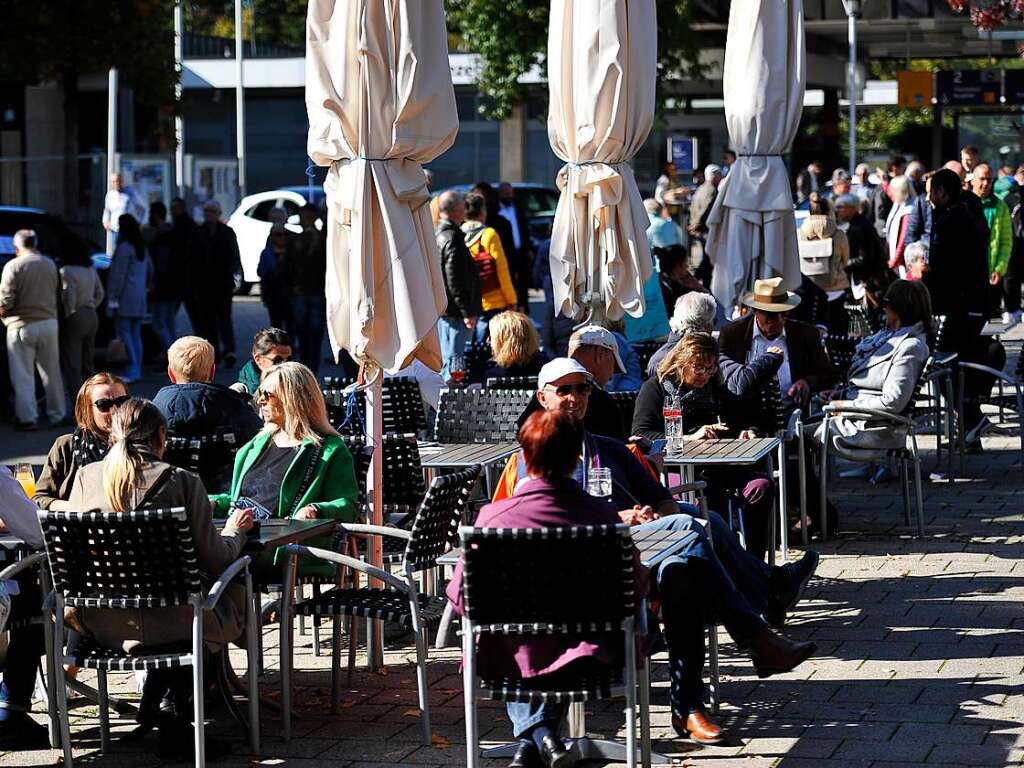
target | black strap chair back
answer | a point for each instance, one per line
(211, 456)
(435, 529)
(840, 351)
(476, 356)
(479, 415)
(645, 351)
(139, 559)
(548, 580)
(401, 405)
(626, 403)
(770, 416)
(512, 382)
(403, 477)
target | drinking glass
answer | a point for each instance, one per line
(599, 481)
(24, 475)
(673, 414)
(457, 369)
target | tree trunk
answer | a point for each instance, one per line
(72, 206)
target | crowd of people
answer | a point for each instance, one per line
(869, 249)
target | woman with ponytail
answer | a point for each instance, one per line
(132, 476)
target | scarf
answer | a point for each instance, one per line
(87, 448)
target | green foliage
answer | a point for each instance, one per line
(282, 22)
(511, 37)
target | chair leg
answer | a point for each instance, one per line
(50, 679)
(802, 471)
(287, 606)
(315, 620)
(630, 685)
(353, 642)
(61, 693)
(253, 643)
(335, 664)
(645, 714)
(1020, 422)
(714, 692)
(469, 694)
(905, 486)
(919, 494)
(950, 426)
(421, 683)
(198, 689)
(101, 689)
(823, 505)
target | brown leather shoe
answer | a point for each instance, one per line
(773, 653)
(699, 727)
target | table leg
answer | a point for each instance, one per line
(783, 505)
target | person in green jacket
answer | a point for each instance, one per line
(297, 466)
(270, 347)
(1000, 242)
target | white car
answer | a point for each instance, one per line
(251, 222)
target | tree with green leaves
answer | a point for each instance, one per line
(61, 40)
(511, 37)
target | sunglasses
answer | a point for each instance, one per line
(564, 390)
(263, 394)
(276, 359)
(107, 404)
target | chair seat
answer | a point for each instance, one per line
(581, 689)
(387, 604)
(89, 655)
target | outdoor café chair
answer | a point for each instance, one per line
(576, 581)
(399, 601)
(211, 456)
(480, 415)
(126, 561)
(1015, 381)
(512, 382)
(401, 405)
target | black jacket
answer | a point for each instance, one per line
(866, 260)
(215, 259)
(957, 275)
(461, 279)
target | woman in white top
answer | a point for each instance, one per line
(81, 294)
(902, 192)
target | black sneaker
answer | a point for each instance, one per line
(20, 731)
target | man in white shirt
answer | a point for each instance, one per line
(521, 262)
(121, 200)
(18, 730)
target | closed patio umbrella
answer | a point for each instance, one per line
(602, 57)
(752, 232)
(380, 102)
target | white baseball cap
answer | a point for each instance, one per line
(596, 336)
(559, 367)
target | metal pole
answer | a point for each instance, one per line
(239, 99)
(375, 492)
(111, 140)
(852, 85)
(179, 118)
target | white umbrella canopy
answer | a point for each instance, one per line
(752, 232)
(380, 102)
(602, 59)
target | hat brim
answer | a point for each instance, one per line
(792, 300)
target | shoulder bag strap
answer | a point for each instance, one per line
(307, 479)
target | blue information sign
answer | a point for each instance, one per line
(682, 150)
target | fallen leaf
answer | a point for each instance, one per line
(439, 741)
(411, 713)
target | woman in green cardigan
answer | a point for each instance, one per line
(297, 466)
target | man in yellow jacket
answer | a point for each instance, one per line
(496, 290)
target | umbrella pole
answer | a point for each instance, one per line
(374, 488)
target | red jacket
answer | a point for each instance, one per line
(542, 503)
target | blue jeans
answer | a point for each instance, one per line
(162, 315)
(309, 322)
(129, 329)
(453, 335)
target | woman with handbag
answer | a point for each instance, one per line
(497, 293)
(297, 467)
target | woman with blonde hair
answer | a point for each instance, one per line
(902, 192)
(98, 399)
(297, 466)
(133, 476)
(690, 378)
(515, 346)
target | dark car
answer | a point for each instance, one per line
(538, 203)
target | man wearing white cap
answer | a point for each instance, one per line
(730, 582)
(597, 349)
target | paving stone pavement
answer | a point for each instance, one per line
(920, 659)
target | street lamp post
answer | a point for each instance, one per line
(853, 12)
(179, 118)
(239, 100)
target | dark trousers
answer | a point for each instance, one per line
(309, 316)
(1012, 280)
(26, 646)
(964, 337)
(213, 313)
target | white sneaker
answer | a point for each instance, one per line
(1007, 318)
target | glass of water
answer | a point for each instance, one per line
(599, 481)
(673, 414)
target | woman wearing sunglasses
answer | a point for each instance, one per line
(689, 377)
(297, 466)
(99, 396)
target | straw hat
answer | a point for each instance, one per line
(769, 296)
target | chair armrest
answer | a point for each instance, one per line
(946, 358)
(220, 586)
(22, 565)
(350, 562)
(985, 369)
(376, 530)
(696, 485)
(871, 413)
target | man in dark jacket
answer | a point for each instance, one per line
(957, 279)
(305, 269)
(182, 243)
(215, 265)
(194, 406)
(461, 281)
(511, 210)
